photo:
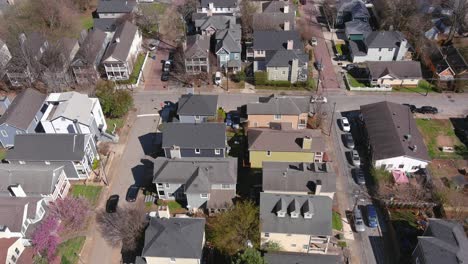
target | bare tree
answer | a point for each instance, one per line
(172, 26)
(188, 8)
(330, 12)
(122, 227)
(459, 17)
(247, 10)
(147, 21)
(304, 29)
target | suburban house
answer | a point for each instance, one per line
(193, 108)
(16, 250)
(380, 46)
(212, 7)
(197, 53)
(115, 8)
(22, 116)
(19, 70)
(299, 178)
(38, 180)
(186, 140)
(275, 15)
(298, 223)
(306, 145)
(201, 183)
(76, 152)
(17, 214)
(281, 55)
(447, 63)
(174, 240)
(351, 10)
(86, 62)
(208, 25)
(444, 241)
(279, 109)
(357, 30)
(394, 139)
(394, 73)
(228, 48)
(120, 56)
(300, 258)
(71, 113)
(5, 57)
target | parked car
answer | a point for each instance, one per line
(348, 140)
(132, 193)
(427, 110)
(232, 118)
(358, 221)
(319, 99)
(355, 158)
(171, 56)
(372, 219)
(165, 76)
(345, 125)
(359, 176)
(313, 41)
(111, 204)
(153, 45)
(218, 77)
(167, 66)
(411, 107)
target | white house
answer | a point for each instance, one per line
(122, 52)
(380, 46)
(72, 112)
(115, 8)
(211, 7)
(17, 214)
(15, 250)
(395, 73)
(394, 139)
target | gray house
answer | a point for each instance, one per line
(380, 46)
(228, 48)
(22, 116)
(197, 53)
(174, 240)
(275, 15)
(115, 8)
(200, 183)
(185, 140)
(197, 108)
(351, 10)
(76, 152)
(443, 241)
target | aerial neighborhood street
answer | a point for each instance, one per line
(233, 131)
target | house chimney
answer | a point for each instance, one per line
(286, 7)
(318, 187)
(306, 143)
(286, 25)
(290, 44)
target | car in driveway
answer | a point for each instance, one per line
(358, 220)
(372, 219)
(345, 125)
(165, 76)
(153, 45)
(350, 66)
(167, 66)
(359, 176)
(319, 99)
(217, 79)
(112, 203)
(132, 193)
(313, 41)
(348, 140)
(411, 107)
(355, 159)
(427, 110)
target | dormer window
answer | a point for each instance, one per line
(281, 214)
(294, 215)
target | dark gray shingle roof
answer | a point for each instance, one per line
(202, 136)
(398, 69)
(297, 258)
(49, 147)
(105, 24)
(319, 225)
(91, 50)
(285, 140)
(387, 124)
(174, 237)
(280, 105)
(357, 27)
(203, 105)
(276, 40)
(12, 211)
(273, 21)
(116, 6)
(23, 109)
(34, 179)
(198, 46)
(383, 39)
(283, 58)
(121, 42)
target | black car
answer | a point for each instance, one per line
(348, 140)
(165, 76)
(350, 67)
(427, 110)
(359, 176)
(132, 193)
(111, 204)
(411, 107)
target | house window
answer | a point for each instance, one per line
(168, 185)
(204, 195)
(267, 234)
(197, 151)
(389, 166)
(170, 194)
(4, 133)
(390, 49)
(382, 166)
(401, 166)
(268, 153)
(17, 251)
(35, 119)
(161, 193)
(217, 151)
(284, 72)
(305, 246)
(225, 186)
(293, 245)
(160, 185)
(197, 117)
(414, 167)
(13, 258)
(380, 58)
(277, 117)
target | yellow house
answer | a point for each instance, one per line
(290, 110)
(305, 145)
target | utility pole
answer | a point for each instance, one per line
(332, 118)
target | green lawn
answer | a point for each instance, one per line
(173, 205)
(337, 224)
(431, 129)
(119, 122)
(341, 49)
(136, 70)
(422, 88)
(2, 153)
(159, 8)
(87, 21)
(87, 191)
(69, 250)
(354, 82)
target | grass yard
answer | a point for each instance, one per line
(336, 221)
(118, 122)
(158, 8)
(2, 153)
(87, 191)
(341, 49)
(87, 21)
(404, 216)
(437, 133)
(422, 88)
(69, 250)
(354, 82)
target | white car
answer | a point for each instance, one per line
(319, 99)
(345, 124)
(313, 41)
(355, 158)
(218, 77)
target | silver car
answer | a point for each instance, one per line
(358, 221)
(355, 158)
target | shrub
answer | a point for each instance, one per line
(115, 103)
(239, 77)
(260, 78)
(95, 164)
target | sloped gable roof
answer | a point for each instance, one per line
(197, 46)
(23, 109)
(202, 135)
(383, 39)
(193, 104)
(90, 51)
(34, 179)
(119, 48)
(397, 69)
(116, 6)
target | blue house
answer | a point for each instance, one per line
(228, 48)
(22, 116)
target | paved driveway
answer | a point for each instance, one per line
(153, 72)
